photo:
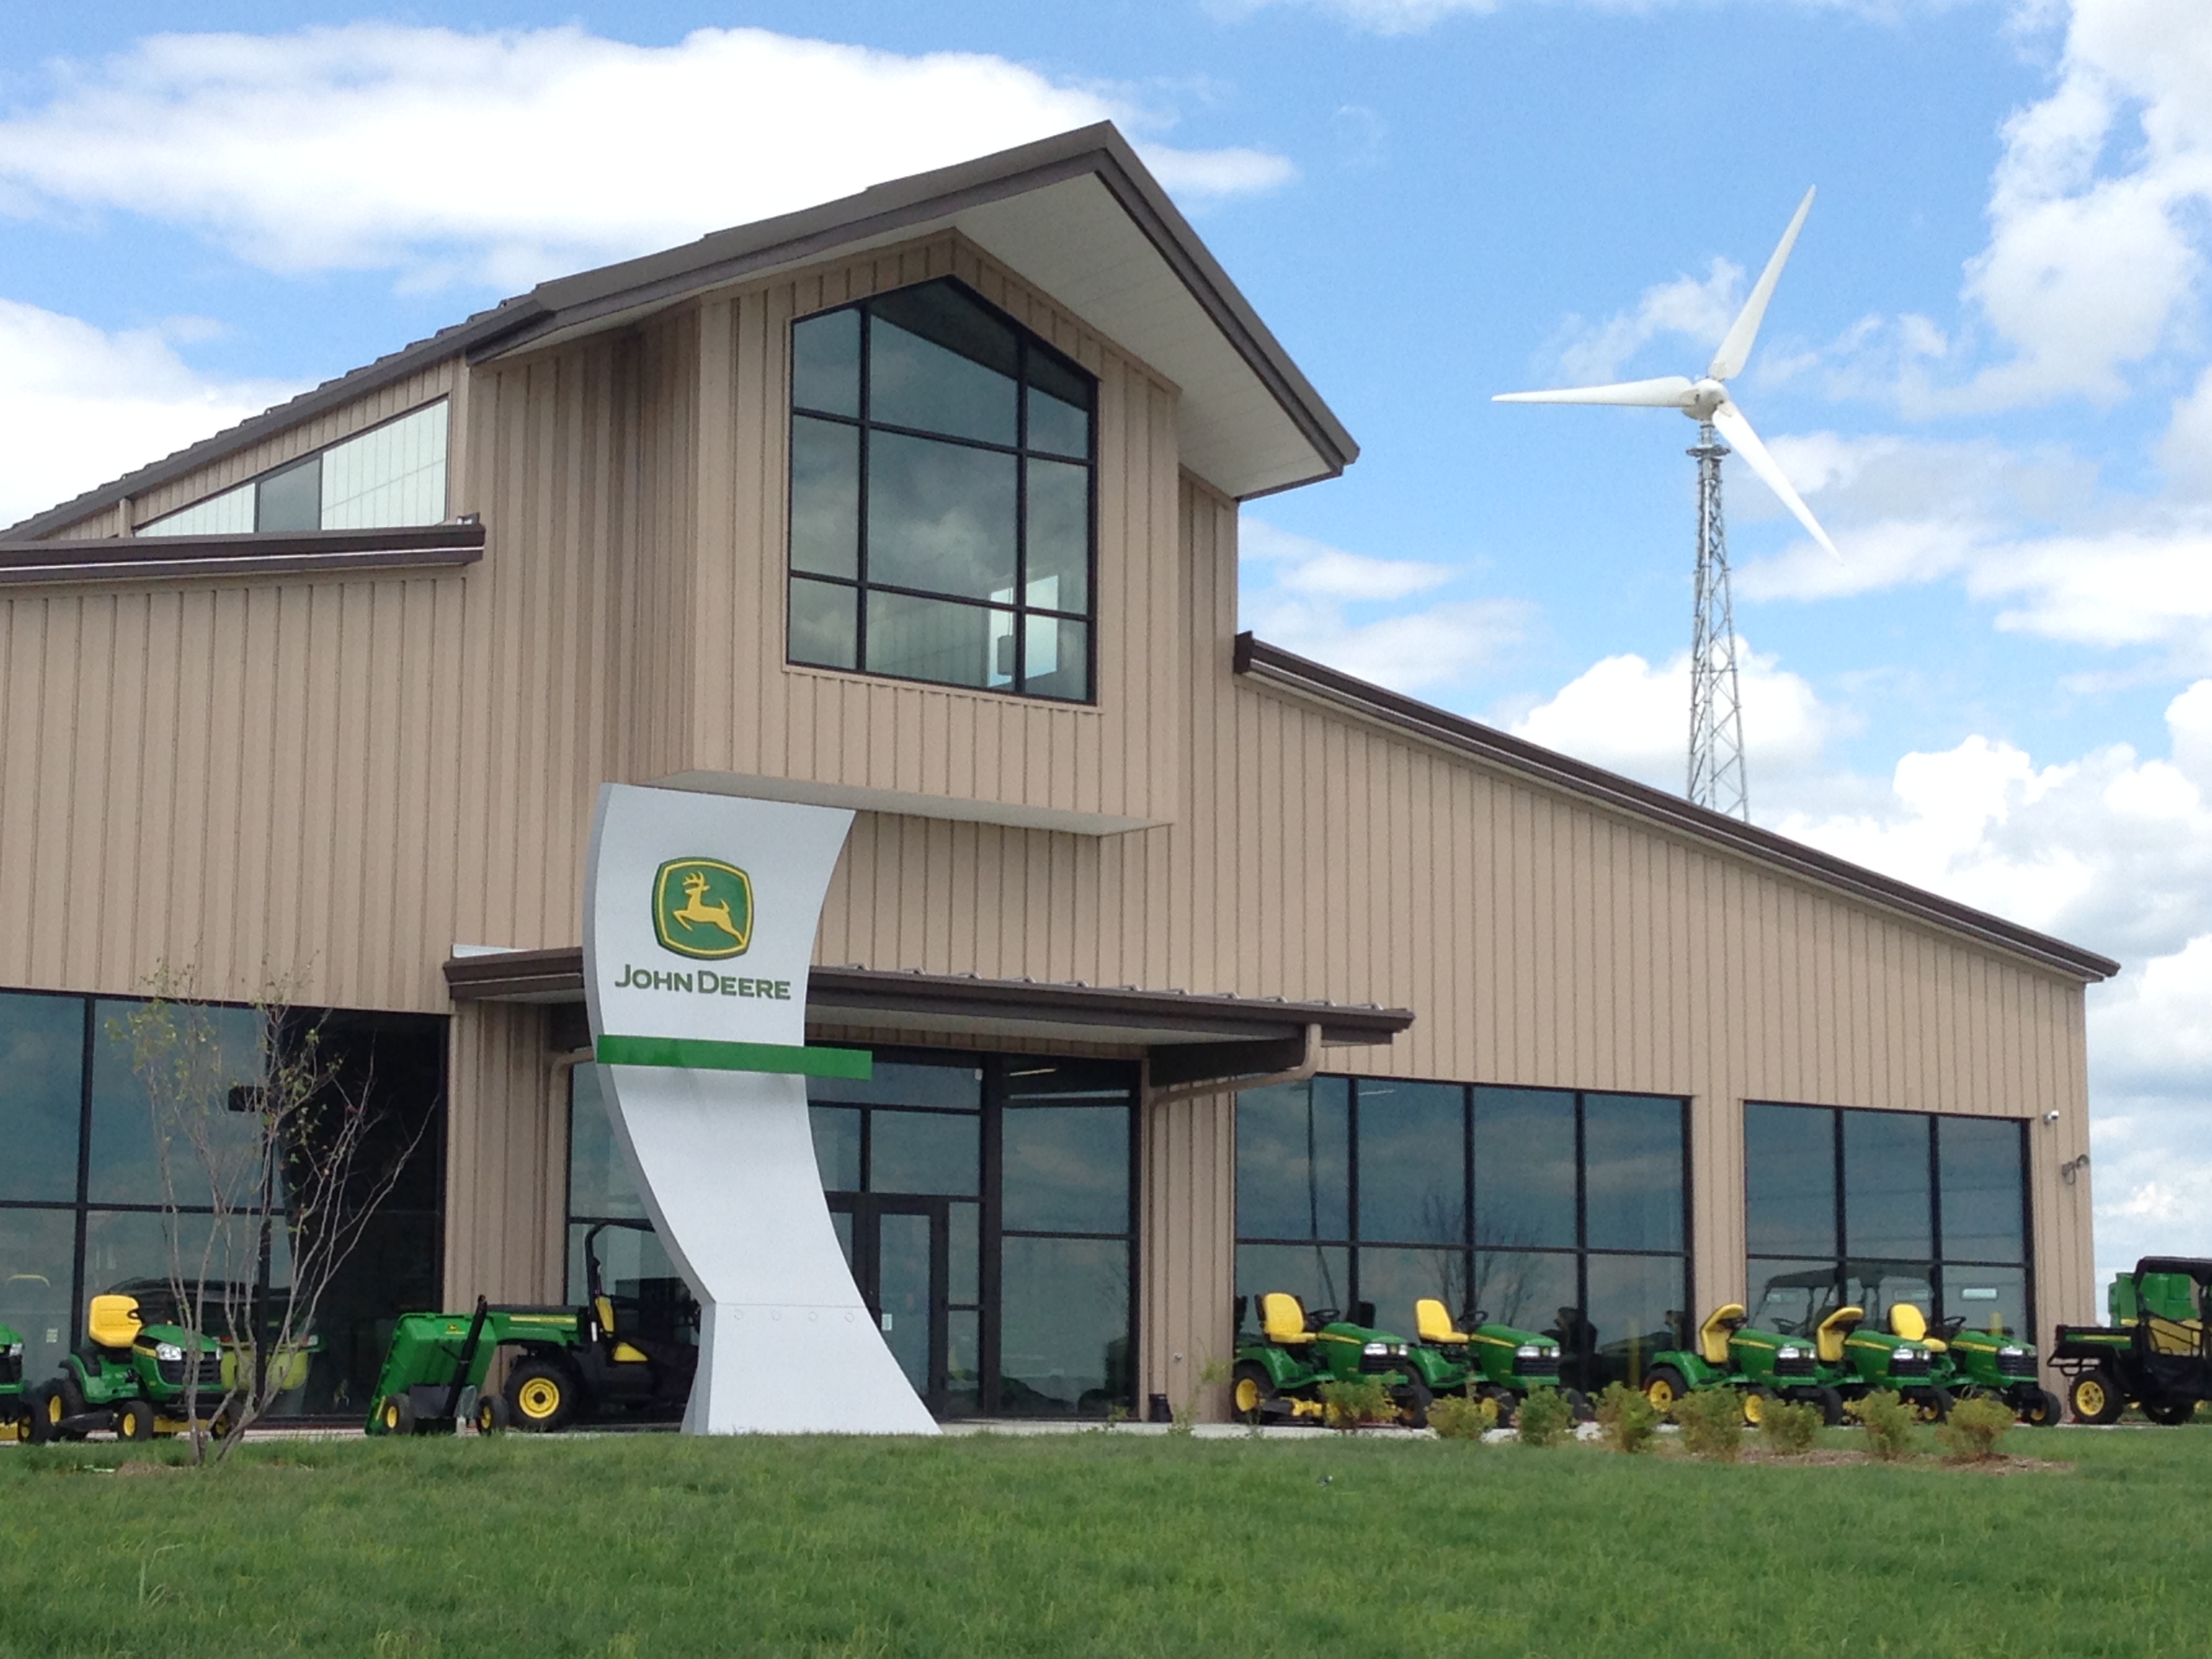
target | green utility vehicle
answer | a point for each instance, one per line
(2153, 1354)
(1502, 1363)
(15, 1415)
(1758, 1364)
(1279, 1373)
(130, 1379)
(629, 1352)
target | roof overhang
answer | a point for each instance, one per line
(304, 553)
(1187, 1038)
(1284, 671)
(1079, 216)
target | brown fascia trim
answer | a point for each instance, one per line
(1272, 664)
(452, 341)
(558, 976)
(730, 256)
(308, 552)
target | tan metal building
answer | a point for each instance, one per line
(925, 503)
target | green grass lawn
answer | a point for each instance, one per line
(1099, 1544)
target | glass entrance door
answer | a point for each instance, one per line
(896, 1246)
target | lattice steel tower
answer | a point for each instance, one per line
(1716, 778)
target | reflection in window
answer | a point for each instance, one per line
(1870, 1209)
(941, 485)
(41, 1085)
(1354, 1191)
(388, 476)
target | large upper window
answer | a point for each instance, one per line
(1873, 1208)
(941, 483)
(389, 476)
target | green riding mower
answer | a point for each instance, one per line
(1496, 1363)
(1279, 1374)
(15, 1414)
(2153, 1355)
(1910, 1365)
(627, 1354)
(1759, 1365)
(130, 1379)
(1981, 1364)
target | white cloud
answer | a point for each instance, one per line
(79, 405)
(519, 154)
(1696, 309)
(1414, 16)
(1624, 713)
(1320, 601)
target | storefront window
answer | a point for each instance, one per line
(41, 1082)
(1353, 1194)
(1871, 1208)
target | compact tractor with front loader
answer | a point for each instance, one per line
(130, 1379)
(2153, 1355)
(624, 1356)
(1279, 1373)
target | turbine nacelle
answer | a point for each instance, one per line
(1702, 398)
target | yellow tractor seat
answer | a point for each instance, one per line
(112, 1321)
(1283, 1317)
(1432, 1324)
(1713, 1335)
(1909, 1322)
(1828, 1338)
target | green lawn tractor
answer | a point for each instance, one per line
(1759, 1365)
(15, 1414)
(1279, 1373)
(1897, 1359)
(1502, 1363)
(1987, 1364)
(628, 1354)
(2153, 1354)
(129, 1379)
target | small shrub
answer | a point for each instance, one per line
(1627, 1419)
(1711, 1421)
(1355, 1401)
(1545, 1418)
(1888, 1423)
(1789, 1428)
(1970, 1433)
(1463, 1417)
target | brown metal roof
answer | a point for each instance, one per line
(1272, 664)
(146, 558)
(606, 295)
(1108, 1012)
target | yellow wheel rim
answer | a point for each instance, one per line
(54, 1409)
(1248, 1394)
(539, 1399)
(1755, 1408)
(390, 1418)
(1660, 1392)
(128, 1428)
(2089, 1398)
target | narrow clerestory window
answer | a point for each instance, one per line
(942, 468)
(388, 476)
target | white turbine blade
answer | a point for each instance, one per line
(1668, 392)
(1735, 350)
(1729, 419)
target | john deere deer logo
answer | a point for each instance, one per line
(702, 908)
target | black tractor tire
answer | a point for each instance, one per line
(1413, 1400)
(134, 1420)
(2040, 1409)
(1250, 1389)
(1933, 1405)
(2170, 1414)
(44, 1399)
(1754, 1400)
(1507, 1402)
(1664, 1385)
(1578, 1403)
(2096, 1398)
(72, 1398)
(541, 1395)
(1824, 1399)
(492, 1416)
(396, 1414)
(20, 1425)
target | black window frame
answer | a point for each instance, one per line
(864, 424)
(1938, 1262)
(1580, 1365)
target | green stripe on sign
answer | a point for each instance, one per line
(700, 1055)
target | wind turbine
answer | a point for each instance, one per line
(1716, 779)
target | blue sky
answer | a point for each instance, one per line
(1986, 367)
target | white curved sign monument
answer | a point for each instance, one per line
(700, 913)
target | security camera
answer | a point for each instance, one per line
(2051, 1117)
